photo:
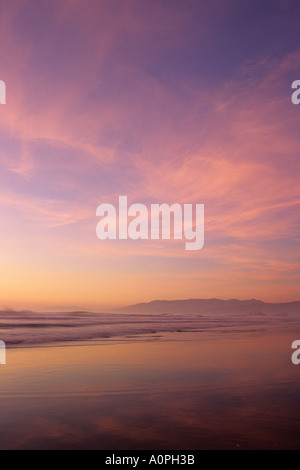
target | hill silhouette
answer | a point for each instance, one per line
(215, 306)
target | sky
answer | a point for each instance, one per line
(182, 101)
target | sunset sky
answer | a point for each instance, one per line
(164, 101)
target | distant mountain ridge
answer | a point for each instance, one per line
(214, 306)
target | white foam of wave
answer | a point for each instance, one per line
(35, 328)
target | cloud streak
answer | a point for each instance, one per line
(121, 98)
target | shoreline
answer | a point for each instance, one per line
(184, 390)
(162, 335)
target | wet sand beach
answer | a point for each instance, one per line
(184, 390)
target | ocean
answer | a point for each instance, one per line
(23, 329)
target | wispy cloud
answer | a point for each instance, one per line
(122, 98)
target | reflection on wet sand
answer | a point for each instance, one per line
(184, 391)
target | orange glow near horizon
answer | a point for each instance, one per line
(108, 104)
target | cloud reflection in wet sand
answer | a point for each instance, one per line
(202, 391)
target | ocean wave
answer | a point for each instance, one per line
(36, 328)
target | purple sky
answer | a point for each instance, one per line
(163, 101)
